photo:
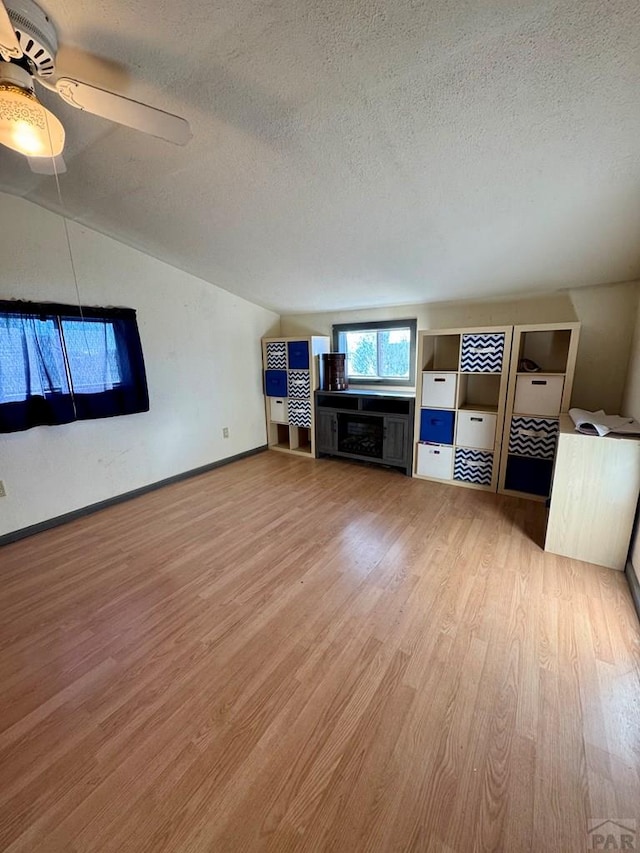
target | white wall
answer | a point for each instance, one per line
(631, 408)
(202, 353)
(632, 389)
(607, 314)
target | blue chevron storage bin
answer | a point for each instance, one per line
(473, 466)
(536, 437)
(299, 383)
(298, 355)
(525, 474)
(299, 412)
(482, 353)
(276, 355)
(437, 426)
(275, 383)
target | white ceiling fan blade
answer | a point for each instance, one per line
(47, 165)
(124, 111)
(9, 44)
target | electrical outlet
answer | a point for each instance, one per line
(3, 493)
(225, 432)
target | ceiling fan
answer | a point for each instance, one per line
(28, 47)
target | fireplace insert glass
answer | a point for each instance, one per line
(361, 435)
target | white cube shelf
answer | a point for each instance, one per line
(465, 374)
(292, 372)
(543, 360)
(505, 416)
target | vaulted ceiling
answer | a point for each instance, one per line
(349, 153)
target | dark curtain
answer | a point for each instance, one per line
(34, 390)
(106, 366)
(44, 346)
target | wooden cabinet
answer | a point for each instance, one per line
(395, 444)
(370, 426)
(595, 493)
(291, 375)
(326, 431)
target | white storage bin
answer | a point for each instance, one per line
(439, 390)
(538, 394)
(476, 429)
(435, 460)
(279, 413)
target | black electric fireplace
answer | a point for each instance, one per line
(360, 435)
(369, 426)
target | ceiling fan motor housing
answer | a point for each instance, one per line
(14, 75)
(36, 34)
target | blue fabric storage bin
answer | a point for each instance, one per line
(275, 383)
(436, 426)
(526, 474)
(298, 355)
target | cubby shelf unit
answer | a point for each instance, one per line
(291, 375)
(535, 401)
(460, 405)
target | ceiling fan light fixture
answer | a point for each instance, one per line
(25, 125)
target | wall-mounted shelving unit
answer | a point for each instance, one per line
(291, 375)
(460, 405)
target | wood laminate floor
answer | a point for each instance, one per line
(294, 655)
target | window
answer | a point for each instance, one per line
(60, 364)
(378, 353)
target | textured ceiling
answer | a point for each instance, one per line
(348, 154)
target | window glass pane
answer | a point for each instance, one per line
(362, 353)
(378, 352)
(394, 348)
(92, 354)
(31, 359)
